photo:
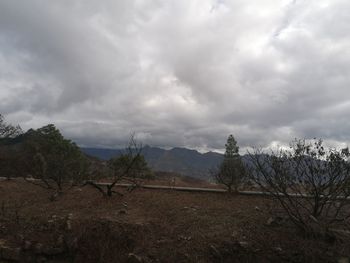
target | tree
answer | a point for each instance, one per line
(56, 161)
(130, 166)
(8, 130)
(8, 155)
(311, 183)
(138, 167)
(231, 171)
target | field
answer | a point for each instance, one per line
(151, 226)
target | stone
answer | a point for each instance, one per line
(60, 241)
(343, 260)
(215, 252)
(41, 259)
(2, 242)
(278, 249)
(274, 221)
(270, 221)
(243, 244)
(52, 251)
(38, 248)
(122, 212)
(234, 234)
(27, 244)
(133, 258)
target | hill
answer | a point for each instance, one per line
(180, 160)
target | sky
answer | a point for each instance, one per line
(181, 73)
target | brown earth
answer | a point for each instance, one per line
(151, 226)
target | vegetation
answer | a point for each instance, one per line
(310, 182)
(231, 172)
(129, 167)
(8, 130)
(55, 161)
(8, 157)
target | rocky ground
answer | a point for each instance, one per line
(151, 226)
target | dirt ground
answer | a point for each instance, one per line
(151, 226)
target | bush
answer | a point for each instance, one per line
(310, 182)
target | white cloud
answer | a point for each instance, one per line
(179, 73)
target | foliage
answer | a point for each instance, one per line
(310, 182)
(8, 130)
(8, 156)
(231, 171)
(56, 161)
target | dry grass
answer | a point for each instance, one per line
(159, 226)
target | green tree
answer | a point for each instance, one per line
(56, 161)
(231, 148)
(231, 171)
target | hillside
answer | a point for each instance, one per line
(180, 160)
(151, 226)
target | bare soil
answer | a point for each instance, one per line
(152, 226)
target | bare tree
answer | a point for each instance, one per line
(8, 130)
(8, 154)
(311, 183)
(129, 167)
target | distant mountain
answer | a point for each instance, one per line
(180, 160)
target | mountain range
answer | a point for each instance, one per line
(179, 160)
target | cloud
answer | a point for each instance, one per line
(177, 73)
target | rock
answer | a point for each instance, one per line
(69, 221)
(234, 234)
(215, 252)
(72, 243)
(27, 244)
(41, 259)
(181, 237)
(243, 244)
(343, 260)
(274, 221)
(133, 258)
(257, 208)
(38, 248)
(278, 249)
(60, 241)
(2, 242)
(13, 254)
(270, 221)
(122, 212)
(52, 251)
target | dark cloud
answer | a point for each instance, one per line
(178, 73)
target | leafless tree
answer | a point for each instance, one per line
(311, 183)
(8, 130)
(129, 167)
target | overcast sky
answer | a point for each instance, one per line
(178, 73)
